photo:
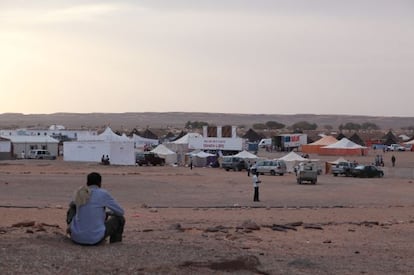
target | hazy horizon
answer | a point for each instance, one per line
(320, 57)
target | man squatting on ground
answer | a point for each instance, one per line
(88, 222)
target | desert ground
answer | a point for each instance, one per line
(204, 221)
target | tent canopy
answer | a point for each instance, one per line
(162, 150)
(326, 140)
(292, 156)
(109, 135)
(341, 159)
(185, 139)
(200, 154)
(344, 144)
(245, 155)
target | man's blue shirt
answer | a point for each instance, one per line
(88, 225)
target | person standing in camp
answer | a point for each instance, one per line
(248, 168)
(256, 182)
(393, 160)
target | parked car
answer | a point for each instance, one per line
(148, 158)
(272, 167)
(367, 171)
(343, 168)
(40, 154)
(233, 163)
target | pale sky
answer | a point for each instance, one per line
(232, 56)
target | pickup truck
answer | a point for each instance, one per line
(307, 171)
(343, 168)
(396, 147)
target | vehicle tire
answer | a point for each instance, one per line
(281, 174)
(335, 175)
(273, 173)
(314, 182)
(227, 169)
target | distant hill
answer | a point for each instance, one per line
(178, 120)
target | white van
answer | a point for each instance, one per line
(265, 142)
(40, 154)
(272, 167)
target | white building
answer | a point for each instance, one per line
(23, 144)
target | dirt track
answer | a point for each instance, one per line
(203, 221)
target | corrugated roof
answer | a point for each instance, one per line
(31, 139)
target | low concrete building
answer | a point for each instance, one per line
(5, 149)
(21, 145)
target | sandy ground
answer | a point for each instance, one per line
(203, 221)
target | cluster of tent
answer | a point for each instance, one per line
(329, 145)
(122, 149)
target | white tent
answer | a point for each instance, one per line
(186, 139)
(200, 154)
(341, 159)
(343, 147)
(344, 143)
(120, 149)
(109, 135)
(141, 142)
(181, 147)
(292, 159)
(199, 158)
(245, 155)
(163, 152)
(409, 142)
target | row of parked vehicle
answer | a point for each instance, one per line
(307, 171)
(350, 169)
(272, 167)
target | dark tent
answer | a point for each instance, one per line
(252, 136)
(390, 138)
(180, 135)
(169, 136)
(340, 136)
(357, 139)
(148, 134)
(134, 131)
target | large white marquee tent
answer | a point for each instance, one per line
(120, 149)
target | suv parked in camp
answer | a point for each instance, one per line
(148, 158)
(40, 154)
(233, 163)
(343, 168)
(271, 167)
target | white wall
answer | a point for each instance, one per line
(120, 153)
(5, 146)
